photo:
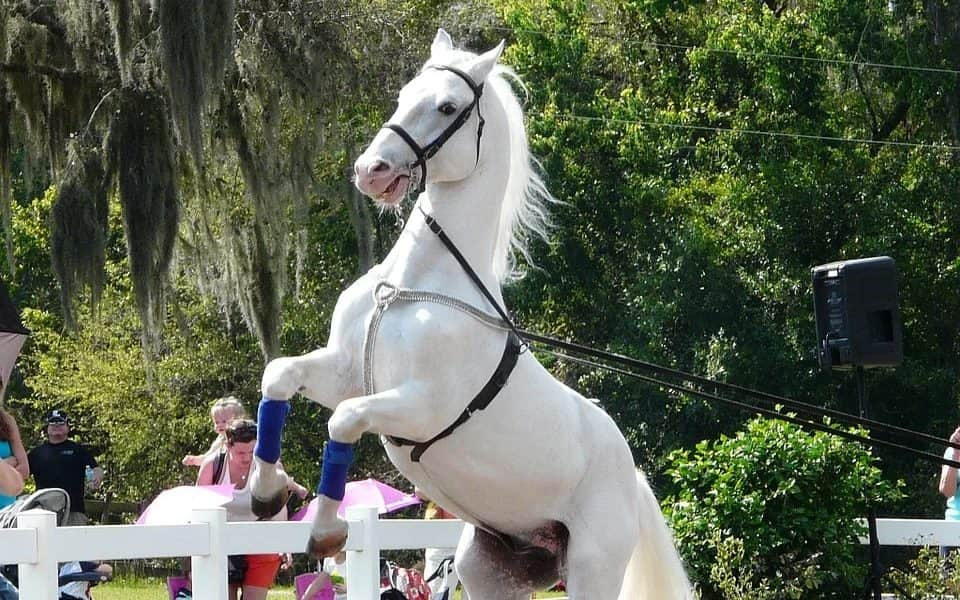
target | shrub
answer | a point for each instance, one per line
(791, 498)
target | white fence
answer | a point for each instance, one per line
(37, 545)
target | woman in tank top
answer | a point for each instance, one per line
(237, 464)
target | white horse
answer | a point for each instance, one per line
(542, 476)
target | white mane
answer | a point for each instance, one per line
(524, 210)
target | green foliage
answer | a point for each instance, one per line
(929, 576)
(791, 499)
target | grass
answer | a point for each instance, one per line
(156, 589)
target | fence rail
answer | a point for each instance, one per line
(38, 545)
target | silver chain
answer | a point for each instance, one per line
(385, 294)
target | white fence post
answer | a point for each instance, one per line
(39, 580)
(209, 572)
(363, 566)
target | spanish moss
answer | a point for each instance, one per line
(147, 181)
(78, 231)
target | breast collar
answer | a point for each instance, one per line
(385, 294)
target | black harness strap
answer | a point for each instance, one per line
(483, 399)
(514, 348)
(426, 153)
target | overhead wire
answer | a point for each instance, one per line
(739, 52)
(548, 344)
(758, 132)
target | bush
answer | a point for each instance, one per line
(789, 497)
(929, 576)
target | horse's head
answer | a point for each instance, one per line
(440, 107)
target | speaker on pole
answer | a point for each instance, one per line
(857, 313)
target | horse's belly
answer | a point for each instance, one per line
(512, 466)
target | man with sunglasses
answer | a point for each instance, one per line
(63, 463)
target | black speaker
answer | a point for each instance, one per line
(857, 313)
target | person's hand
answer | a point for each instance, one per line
(340, 588)
(12, 461)
(301, 491)
(286, 561)
(191, 461)
(955, 436)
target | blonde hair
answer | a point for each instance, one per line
(228, 404)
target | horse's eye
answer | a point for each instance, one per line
(448, 108)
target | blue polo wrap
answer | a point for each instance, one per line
(337, 457)
(271, 415)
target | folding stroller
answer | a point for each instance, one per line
(55, 500)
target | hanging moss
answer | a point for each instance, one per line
(218, 17)
(147, 182)
(121, 24)
(78, 228)
(5, 181)
(195, 39)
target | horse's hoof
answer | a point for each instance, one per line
(267, 509)
(327, 545)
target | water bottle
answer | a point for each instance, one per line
(88, 475)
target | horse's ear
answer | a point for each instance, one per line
(441, 43)
(483, 64)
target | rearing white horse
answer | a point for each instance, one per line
(422, 355)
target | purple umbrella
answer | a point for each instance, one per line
(368, 492)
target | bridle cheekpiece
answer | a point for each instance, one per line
(427, 152)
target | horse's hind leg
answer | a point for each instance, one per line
(601, 542)
(487, 570)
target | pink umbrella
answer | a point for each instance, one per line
(368, 492)
(174, 506)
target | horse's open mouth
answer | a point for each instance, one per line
(395, 191)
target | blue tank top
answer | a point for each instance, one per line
(5, 452)
(953, 508)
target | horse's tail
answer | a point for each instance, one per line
(655, 571)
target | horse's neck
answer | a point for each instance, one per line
(469, 213)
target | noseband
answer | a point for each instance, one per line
(426, 153)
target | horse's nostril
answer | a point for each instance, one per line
(379, 166)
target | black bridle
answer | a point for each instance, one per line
(426, 152)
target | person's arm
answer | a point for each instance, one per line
(948, 474)
(195, 460)
(11, 482)
(16, 444)
(205, 475)
(321, 582)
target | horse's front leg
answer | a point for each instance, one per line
(403, 411)
(322, 376)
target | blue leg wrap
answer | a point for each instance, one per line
(271, 416)
(337, 457)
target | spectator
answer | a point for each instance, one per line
(222, 412)
(433, 558)
(15, 468)
(77, 577)
(11, 484)
(62, 463)
(11, 444)
(234, 468)
(948, 487)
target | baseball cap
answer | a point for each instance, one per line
(57, 416)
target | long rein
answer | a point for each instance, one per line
(691, 384)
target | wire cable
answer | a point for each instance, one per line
(776, 55)
(779, 134)
(867, 440)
